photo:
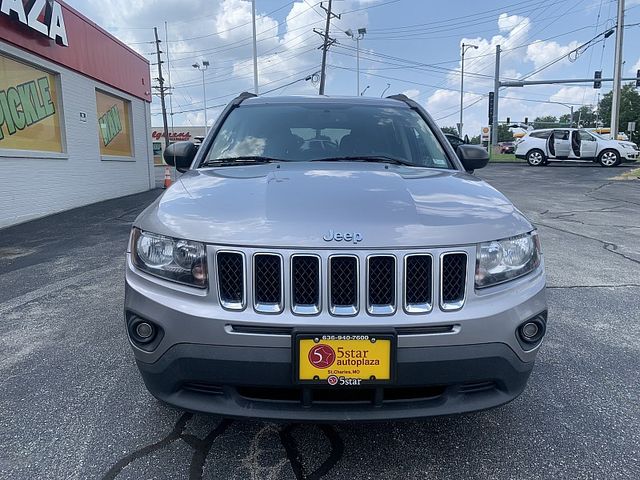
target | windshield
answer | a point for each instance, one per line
(327, 132)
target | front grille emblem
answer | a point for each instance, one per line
(355, 237)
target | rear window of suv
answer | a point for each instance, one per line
(304, 132)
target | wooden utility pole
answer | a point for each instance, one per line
(328, 41)
(617, 73)
(162, 89)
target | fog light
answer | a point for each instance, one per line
(529, 330)
(144, 330)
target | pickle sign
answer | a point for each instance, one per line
(110, 125)
(24, 105)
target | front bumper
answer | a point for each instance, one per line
(257, 382)
(631, 155)
(240, 363)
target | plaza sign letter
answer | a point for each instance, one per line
(50, 12)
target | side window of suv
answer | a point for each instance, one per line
(543, 134)
(586, 137)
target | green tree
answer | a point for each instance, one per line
(475, 140)
(629, 109)
(451, 130)
(504, 134)
(585, 116)
(545, 121)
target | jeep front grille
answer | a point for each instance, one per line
(231, 280)
(418, 281)
(267, 282)
(381, 285)
(305, 284)
(453, 271)
(343, 284)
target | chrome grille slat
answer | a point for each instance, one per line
(409, 281)
(305, 284)
(267, 282)
(453, 276)
(231, 279)
(343, 284)
(418, 283)
(381, 284)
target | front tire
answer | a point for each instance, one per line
(536, 158)
(609, 158)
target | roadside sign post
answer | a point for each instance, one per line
(485, 136)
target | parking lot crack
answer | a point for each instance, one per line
(174, 435)
(624, 285)
(295, 457)
(608, 246)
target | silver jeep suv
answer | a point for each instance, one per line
(332, 259)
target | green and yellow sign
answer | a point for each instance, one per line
(29, 114)
(113, 125)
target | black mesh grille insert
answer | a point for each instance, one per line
(267, 278)
(454, 273)
(382, 280)
(305, 280)
(418, 280)
(231, 277)
(344, 281)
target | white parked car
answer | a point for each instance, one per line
(538, 147)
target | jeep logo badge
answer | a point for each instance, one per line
(354, 237)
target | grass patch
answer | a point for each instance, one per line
(629, 175)
(504, 157)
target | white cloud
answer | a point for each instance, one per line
(412, 93)
(506, 22)
(569, 95)
(541, 53)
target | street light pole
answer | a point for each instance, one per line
(357, 38)
(255, 48)
(465, 47)
(203, 68)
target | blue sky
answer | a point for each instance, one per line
(412, 45)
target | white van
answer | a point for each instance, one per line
(538, 147)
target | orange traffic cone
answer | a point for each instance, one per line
(167, 177)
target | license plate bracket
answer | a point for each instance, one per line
(344, 359)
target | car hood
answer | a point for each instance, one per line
(297, 204)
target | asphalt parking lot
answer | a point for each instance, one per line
(72, 404)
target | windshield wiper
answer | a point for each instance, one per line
(366, 158)
(246, 160)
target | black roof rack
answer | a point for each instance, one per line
(401, 97)
(242, 97)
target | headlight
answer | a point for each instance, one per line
(503, 260)
(181, 261)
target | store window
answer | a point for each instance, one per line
(114, 125)
(29, 108)
(157, 153)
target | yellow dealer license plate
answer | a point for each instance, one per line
(345, 359)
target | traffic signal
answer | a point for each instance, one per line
(638, 79)
(597, 83)
(526, 120)
(508, 120)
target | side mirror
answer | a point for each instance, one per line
(180, 155)
(472, 157)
